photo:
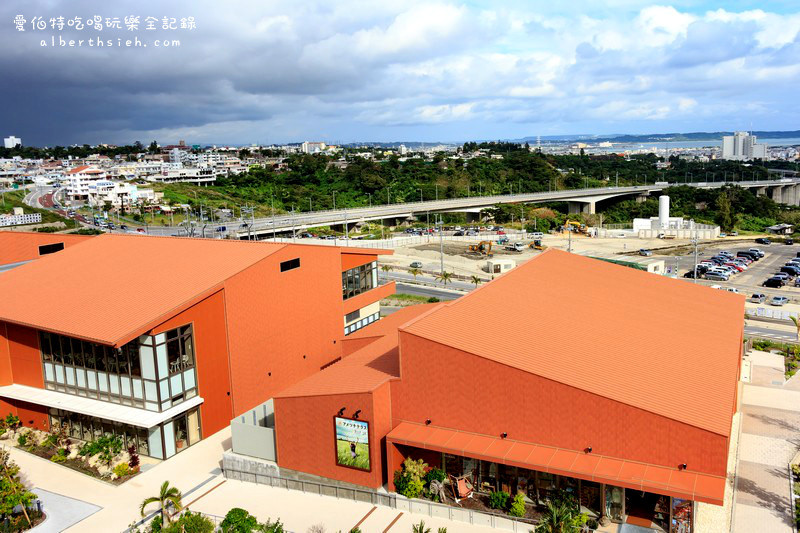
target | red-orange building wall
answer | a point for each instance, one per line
(211, 355)
(305, 437)
(21, 362)
(283, 326)
(461, 391)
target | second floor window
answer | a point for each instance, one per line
(359, 279)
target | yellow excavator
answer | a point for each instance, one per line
(576, 226)
(483, 248)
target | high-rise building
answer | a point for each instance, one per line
(12, 142)
(742, 146)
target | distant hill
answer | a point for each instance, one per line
(661, 137)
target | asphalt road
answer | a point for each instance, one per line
(769, 333)
(427, 279)
(421, 290)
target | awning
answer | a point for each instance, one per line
(578, 464)
(97, 408)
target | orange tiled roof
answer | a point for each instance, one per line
(77, 169)
(364, 369)
(110, 288)
(591, 467)
(17, 246)
(667, 346)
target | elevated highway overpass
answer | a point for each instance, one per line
(782, 190)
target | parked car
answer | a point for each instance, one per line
(788, 241)
(760, 252)
(140, 230)
(458, 234)
(758, 298)
(778, 300)
(537, 235)
(416, 264)
(717, 276)
(645, 252)
(730, 289)
(123, 227)
(774, 282)
(734, 234)
(763, 240)
(792, 271)
(797, 282)
(783, 275)
(734, 266)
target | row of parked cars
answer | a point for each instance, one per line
(790, 272)
(725, 264)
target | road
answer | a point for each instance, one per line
(287, 222)
(767, 332)
(428, 292)
(428, 280)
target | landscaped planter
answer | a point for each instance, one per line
(42, 444)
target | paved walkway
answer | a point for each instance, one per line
(770, 438)
(62, 512)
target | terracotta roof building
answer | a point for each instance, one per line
(567, 374)
(164, 340)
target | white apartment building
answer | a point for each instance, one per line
(120, 194)
(79, 180)
(741, 146)
(12, 142)
(196, 176)
(312, 147)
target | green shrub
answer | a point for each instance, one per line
(108, 446)
(22, 440)
(498, 499)
(238, 521)
(592, 524)
(12, 421)
(796, 470)
(51, 441)
(189, 523)
(414, 488)
(518, 505)
(58, 458)
(400, 481)
(122, 470)
(434, 474)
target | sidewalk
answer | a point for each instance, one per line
(770, 438)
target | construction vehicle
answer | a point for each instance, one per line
(483, 248)
(572, 225)
(536, 245)
(502, 240)
(516, 247)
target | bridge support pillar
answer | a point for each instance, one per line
(640, 199)
(777, 194)
(761, 191)
(582, 207)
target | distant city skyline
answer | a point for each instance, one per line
(279, 71)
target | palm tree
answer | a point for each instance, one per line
(386, 269)
(560, 517)
(166, 496)
(796, 325)
(445, 277)
(415, 272)
(476, 281)
(420, 528)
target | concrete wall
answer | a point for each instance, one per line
(253, 432)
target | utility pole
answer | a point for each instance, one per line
(272, 208)
(441, 246)
(569, 245)
(694, 241)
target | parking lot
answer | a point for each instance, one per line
(750, 281)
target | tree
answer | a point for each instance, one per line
(476, 281)
(796, 325)
(166, 496)
(12, 490)
(420, 528)
(386, 269)
(445, 277)
(415, 272)
(153, 149)
(561, 517)
(725, 215)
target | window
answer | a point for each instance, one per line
(359, 279)
(361, 323)
(51, 248)
(355, 315)
(291, 264)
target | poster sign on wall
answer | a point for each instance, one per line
(352, 443)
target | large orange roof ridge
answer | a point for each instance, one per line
(111, 286)
(666, 346)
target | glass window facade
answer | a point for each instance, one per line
(160, 442)
(359, 279)
(151, 372)
(361, 323)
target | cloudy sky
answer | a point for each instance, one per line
(269, 71)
